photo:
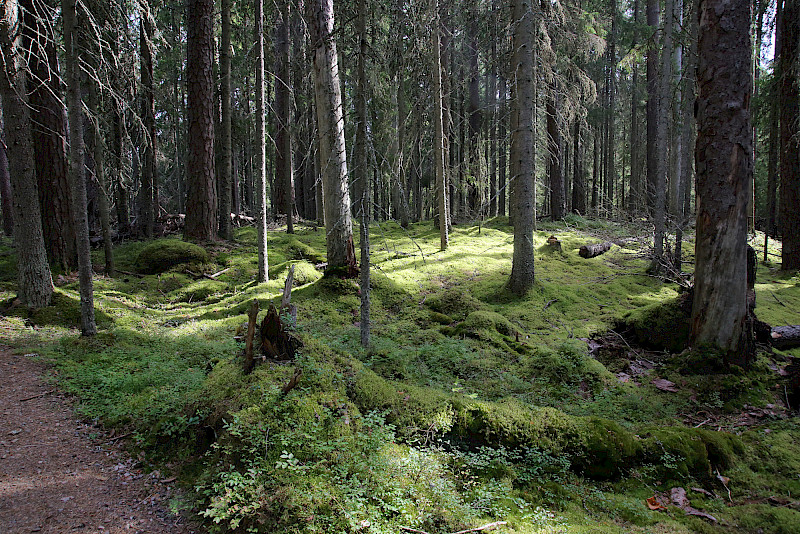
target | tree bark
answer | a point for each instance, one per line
(723, 156)
(76, 152)
(790, 137)
(439, 139)
(596, 249)
(652, 104)
(49, 136)
(771, 229)
(147, 192)
(330, 127)
(522, 268)
(261, 148)
(636, 195)
(5, 189)
(662, 141)
(578, 179)
(34, 282)
(283, 118)
(554, 168)
(201, 202)
(226, 146)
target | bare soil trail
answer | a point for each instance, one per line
(55, 478)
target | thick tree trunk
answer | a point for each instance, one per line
(34, 282)
(49, 136)
(662, 141)
(260, 177)
(77, 178)
(771, 229)
(360, 170)
(723, 157)
(201, 202)
(5, 189)
(522, 268)
(330, 127)
(790, 137)
(226, 141)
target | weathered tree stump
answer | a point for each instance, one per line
(554, 243)
(276, 341)
(590, 251)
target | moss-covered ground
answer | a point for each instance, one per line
(471, 405)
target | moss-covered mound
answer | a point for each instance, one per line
(661, 326)
(297, 250)
(161, 255)
(64, 310)
(200, 290)
(304, 272)
(689, 452)
(455, 302)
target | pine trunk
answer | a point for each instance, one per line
(147, 208)
(226, 141)
(201, 201)
(439, 138)
(723, 155)
(260, 177)
(790, 137)
(522, 96)
(34, 282)
(76, 153)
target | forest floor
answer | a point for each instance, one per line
(60, 474)
(573, 409)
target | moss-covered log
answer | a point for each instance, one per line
(592, 250)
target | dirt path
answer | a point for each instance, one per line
(55, 479)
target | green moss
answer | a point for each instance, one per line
(569, 363)
(689, 452)
(440, 318)
(661, 326)
(297, 250)
(162, 254)
(456, 302)
(767, 519)
(64, 310)
(198, 291)
(304, 272)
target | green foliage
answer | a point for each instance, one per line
(162, 254)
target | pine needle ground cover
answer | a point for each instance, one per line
(471, 405)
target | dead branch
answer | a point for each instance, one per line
(292, 383)
(38, 396)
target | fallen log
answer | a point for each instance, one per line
(590, 251)
(785, 337)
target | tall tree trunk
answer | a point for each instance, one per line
(226, 159)
(330, 127)
(610, 166)
(34, 282)
(724, 168)
(687, 135)
(360, 170)
(522, 139)
(774, 131)
(652, 105)
(49, 135)
(439, 138)
(76, 153)
(201, 201)
(502, 161)
(790, 136)
(636, 196)
(261, 147)
(283, 117)
(5, 189)
(554, 169)
(578, 181)
(662, 140)
(147, 208)
(475, 120)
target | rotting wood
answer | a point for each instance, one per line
(275, 339)
(249, 359)
(592, 250)
(785, 337)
